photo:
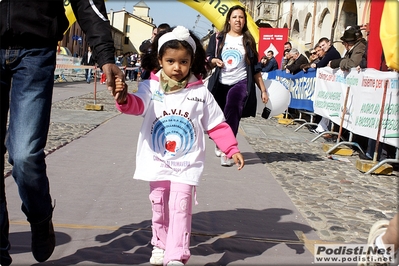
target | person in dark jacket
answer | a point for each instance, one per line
(145, 48)
(268, 63)
(299, 59)
(355, 46)
(330, 53)
(233, 54)
(88, 60)
(29, 32)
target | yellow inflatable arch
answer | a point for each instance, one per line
(214, 11)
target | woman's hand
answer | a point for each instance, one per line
(120, 92)
(238, 160)
(265, 97)
(218, 62)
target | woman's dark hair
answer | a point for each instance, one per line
(199, 65)
(247, 36)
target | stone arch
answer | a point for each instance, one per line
(324, 25)
(348, 17)
(307, 29)
(295, 28)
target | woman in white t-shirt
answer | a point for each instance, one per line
(233, 52)
(178, 111)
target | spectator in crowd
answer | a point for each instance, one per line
(355, 46)
(286, 57)
(145, 48)
(330, 53)
(146, 44)
(313, 58)
(299, 59)
(29, 33)
(384, 150)
(126, 62)
(88, 60)
(268, 63)
(133, 73)
(320, 52)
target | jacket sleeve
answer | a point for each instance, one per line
(145, 46)
(211, 50)
(270, 66)
(354, 59)
(224, 138)
(92, 18)
(335, 63)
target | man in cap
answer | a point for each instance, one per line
(355, 49)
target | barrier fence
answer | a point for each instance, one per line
(76, 72)
(368, 103)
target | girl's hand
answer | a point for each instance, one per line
(120, 91)
(238, 160)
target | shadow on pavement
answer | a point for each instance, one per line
(237, 234)
(21, 241)
(269, 157)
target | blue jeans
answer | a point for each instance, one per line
(26, 89)
(88, 75)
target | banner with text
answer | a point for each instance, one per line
(300, 85)
(272, 39)
(365, 92)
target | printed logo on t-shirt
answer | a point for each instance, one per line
(158, 96)
(173, 134)
(232, 57)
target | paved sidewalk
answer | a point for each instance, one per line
(248, 217)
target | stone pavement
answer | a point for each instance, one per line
(337, 200)
(335, 197)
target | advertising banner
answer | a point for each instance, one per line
(364, 103)
(272, 39)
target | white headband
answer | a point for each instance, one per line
(179, 33)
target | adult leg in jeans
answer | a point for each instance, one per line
(5, 82)
(30, 105)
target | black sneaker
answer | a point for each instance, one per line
(5, 259)
(43, 240)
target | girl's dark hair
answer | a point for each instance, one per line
(199, 66)
(247, 36)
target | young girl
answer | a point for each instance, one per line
(177, 109)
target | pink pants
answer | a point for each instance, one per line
(171, 219)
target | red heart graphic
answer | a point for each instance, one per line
(230, 61)
(170, 145)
